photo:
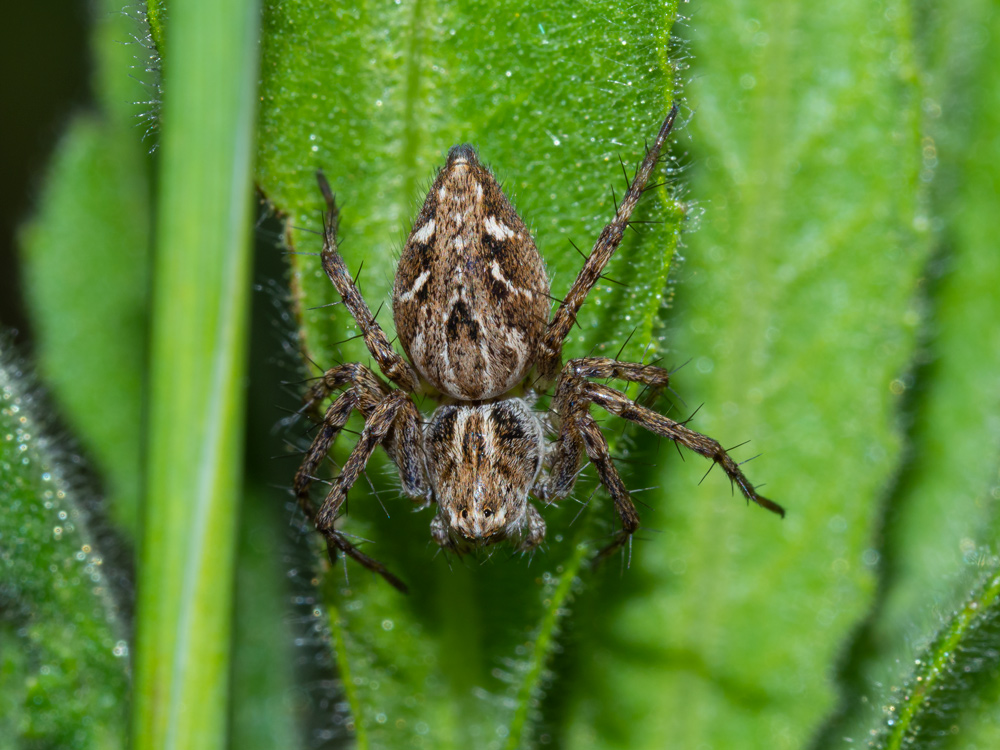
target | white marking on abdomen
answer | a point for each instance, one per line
(417, 348)
(497, 274)
(424, 233)
(519, 346)
(417, 286)
(497, 229)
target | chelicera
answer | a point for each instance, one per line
(471, 306)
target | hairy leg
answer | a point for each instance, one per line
(365, 392)
(618, 403)
(568, 407)
(391, 420)
(390, 362)
(550, 361)
(579, 433)
(600, 455)
(374, 434)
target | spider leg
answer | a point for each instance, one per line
(390, 362)
(618, 403)
(391, 420)
(337, 541)
(600, 455)
(565, 454)
(579, 433)
(377, 428)
(654, 379)
(333, 422)
(564, 460)
(631, 372)
(535, 528)
(405, 442)
(550, 360)
(360, 377)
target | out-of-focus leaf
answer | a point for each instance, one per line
(263, 689)
(375, 95)
(797, 310)
(85, 260)
(958, 668)
(63, 665)
(86, 264)
(86, 270)
(943, 510)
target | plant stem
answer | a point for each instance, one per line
(199, 338)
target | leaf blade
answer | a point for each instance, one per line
(797, 314)
(63, 652)
(435, 80)
(195, 430)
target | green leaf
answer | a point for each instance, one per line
(63, 657)
(197, 372)
(943, 512)
(797, 309)
(838, 307)
(376, 95)
(264, 688)
(950, 675)
(800, 309)
(86, 267)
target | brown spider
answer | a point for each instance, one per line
(471, 307)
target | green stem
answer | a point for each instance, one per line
(199, 336)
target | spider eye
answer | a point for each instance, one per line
(487, 512)
(465, 513)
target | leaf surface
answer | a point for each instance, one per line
(796, 308)
(940, 521)
(86, 256)
(63, 654)
(375, 95)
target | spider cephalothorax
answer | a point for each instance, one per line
(471, 307)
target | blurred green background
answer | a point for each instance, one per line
(834, 294)
(45, 54)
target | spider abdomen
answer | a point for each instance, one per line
(470, 299)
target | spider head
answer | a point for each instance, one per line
(482, 461)
(482, 520)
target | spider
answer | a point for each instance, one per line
(471, 307)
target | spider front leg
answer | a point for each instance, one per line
(579, 431)
(390, 362)
(550, 359)
(392, 421)
(569, 408)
